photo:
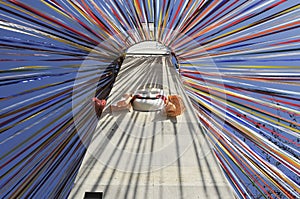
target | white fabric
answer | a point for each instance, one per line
(149, 104)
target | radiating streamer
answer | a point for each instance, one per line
(239, 64)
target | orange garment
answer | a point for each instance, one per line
(99, 105)
(174, 106)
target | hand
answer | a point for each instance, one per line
(99, 105)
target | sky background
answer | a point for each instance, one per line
(239, 63)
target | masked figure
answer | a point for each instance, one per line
(149, 99)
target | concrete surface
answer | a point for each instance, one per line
(146, 154)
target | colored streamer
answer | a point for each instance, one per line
(239, 64)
